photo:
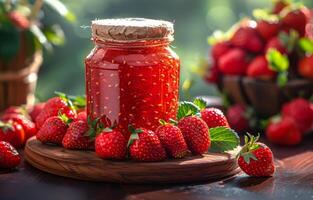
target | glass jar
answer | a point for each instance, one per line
(132, 75)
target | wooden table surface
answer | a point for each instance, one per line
(293, 180)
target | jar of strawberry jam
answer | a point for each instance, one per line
(132, 74)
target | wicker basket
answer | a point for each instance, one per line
(264, 96)
(18, 87)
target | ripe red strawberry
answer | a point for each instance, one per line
(305, 67)
(9, 157)
(53, 107)
(268, 29)
(234, 62)
(255, 158)
(214, 117)
(53, 130)
(75, 136)
(82, 116)
(110, 144)
(248, 39)
(28, 126)
(236, 116)
(19, 20)
(196, 134)
(300, 111)
(259, 68)
(12, 132)
(275, 43)
(172, 140)
(144, 145)
(219, 49)
(295, 19)
(283, 132)
(279, 6)
(15, 110)
(36, 110)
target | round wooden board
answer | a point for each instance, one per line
(85, 165)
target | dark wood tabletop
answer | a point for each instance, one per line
(292, 180)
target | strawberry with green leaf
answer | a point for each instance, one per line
(54, 129)
(279, 63)
(54, 106)
(110, 144)
(255, 158)
(144, 145)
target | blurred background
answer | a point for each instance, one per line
(195, 20)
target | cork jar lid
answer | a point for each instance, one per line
(131, 29)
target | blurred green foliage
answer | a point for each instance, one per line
(194, 21)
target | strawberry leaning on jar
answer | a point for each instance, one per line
(144, 145)
(76, 136)
(172, 140)
(196, 134)
(12, 132)
(255, 158)
(111, 144)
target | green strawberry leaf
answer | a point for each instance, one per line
(201, 103)
(306, 45)
(282, 79)
(277, 61)
(186, 109)
(223, 139)
(262, 14)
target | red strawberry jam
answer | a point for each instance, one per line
(132, 75)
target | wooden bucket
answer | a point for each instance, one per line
(18, 87)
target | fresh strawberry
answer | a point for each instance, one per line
(12, 132)
(220, 49)
(144, 145)
(283, 132)
(295, 19)
(36, 110)
(305, 67)
(53, 130)
(255, 158)
(259, 68)
(196, 134)
(9, 157)
(53, 107)
(20, 110)
(268, 29)
(279, 6)
(248, 39)
(172, 140)
(275, 43)
(75, 136)
(236, 116)
(110, 144)
(214, 117)
(19, 20)
(300, 111)
(234, 62)
(82, 116)
(29, 127)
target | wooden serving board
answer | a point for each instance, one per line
(85, 165)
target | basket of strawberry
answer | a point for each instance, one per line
(267, 61)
